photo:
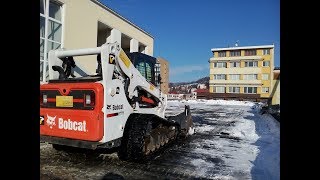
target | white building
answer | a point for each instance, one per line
(74, 24)
(202, 86)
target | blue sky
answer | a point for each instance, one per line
(185, 31)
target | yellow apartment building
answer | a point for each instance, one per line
(242, 72)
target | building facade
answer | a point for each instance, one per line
(164, 73)
(242, 72)
(275, 93)
(174, 96)
(74, 24)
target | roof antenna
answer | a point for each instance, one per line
(237, 43)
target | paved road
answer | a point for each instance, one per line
(218, 150)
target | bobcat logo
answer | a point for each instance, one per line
(51, 121)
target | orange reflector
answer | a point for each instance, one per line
(147, 100)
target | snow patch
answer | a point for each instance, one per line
(221, 114)
(191, 130)
(221, 177)
(210, 118)
(205, 128)
(201, 166)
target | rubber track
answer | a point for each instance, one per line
(133, 138)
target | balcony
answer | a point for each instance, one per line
(237, 70)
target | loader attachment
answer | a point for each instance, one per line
(185, 121)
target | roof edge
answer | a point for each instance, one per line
(121, 17)
(162, 58)
(242, 47)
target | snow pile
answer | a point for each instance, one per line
(273, 126)
(245, 142)
(245, 130)
(267, 162)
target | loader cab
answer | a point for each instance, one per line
(145, 64)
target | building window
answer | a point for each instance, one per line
(234, 64)
(235, 53)
(265, 76)
(250, 52)
(234, 76)
(220, 77)
(220, 65)
(222, 54)
(157, 73)
(266, 51)
(250, 76)
(265, 89)
(250, 90)
(266, 63)
(219, 89)
(50, 32)
(234, 89)
(251, 64)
